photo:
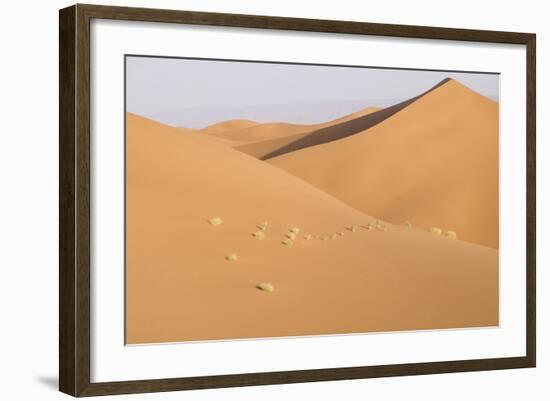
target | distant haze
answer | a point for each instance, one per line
(197, 93)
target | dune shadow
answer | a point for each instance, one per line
(347, 128)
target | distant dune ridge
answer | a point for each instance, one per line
(224, 126)
(193, 199)
(260, 139)
(266, 148)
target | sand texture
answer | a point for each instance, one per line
(223, 245)
(434, 163)
(283, 139)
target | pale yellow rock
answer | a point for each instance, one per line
(291, 236)
(295, 230)
(408, 224)
(267, 287)
(307, 236)
(353, 228)
(215, 221)
(259, 235)
(232, 257)
(436, 230)
(262, 226)
(287, 242)
(450, 234)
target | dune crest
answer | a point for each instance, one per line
(263, 149)
(224, 126)
(434, 163)
(243, 134)
(346, 127)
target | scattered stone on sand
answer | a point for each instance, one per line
(215, 221)
(232, 257)
(334, 235)
(353, 228)
(295, 230)
(436, 230)
(450, 234)
(369, 226)
(291, 236)
(267, 287)
(340, 233)
(287, 242)
(307, 236)
(262, 226)
(259, 235)
(408, 224)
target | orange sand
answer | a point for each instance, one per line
(282, 136)
(180, 287)
(225, 126)
(433, 163)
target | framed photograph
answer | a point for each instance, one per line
(250, 200)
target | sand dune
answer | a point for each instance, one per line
(191, 279)
(267, 135)
(224, 126)
(210, 138)
(262, 132)
(260, 149)
(271, 146)
(433, 163)
(345, 127)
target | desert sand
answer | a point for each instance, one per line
(225, 126)
(197, 269)
(284, 138)
(433, 163)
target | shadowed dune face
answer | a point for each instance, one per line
(261, 149)
(189, 279)
(258, 139)
(345, 128)
(433, 163)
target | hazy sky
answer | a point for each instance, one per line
(197, 93)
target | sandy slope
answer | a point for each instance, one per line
(241, 132)
(261, 132)
(230, 125)
(180, 287)
(208, 138)
(434, 163)
(263, 148)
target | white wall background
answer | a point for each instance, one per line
(29, 182)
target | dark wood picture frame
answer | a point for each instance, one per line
(74, 200)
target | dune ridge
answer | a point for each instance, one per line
(434, 163)
(230, 125)
(267, 136)
(347, 127)
(261, 149)
(181, 287)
